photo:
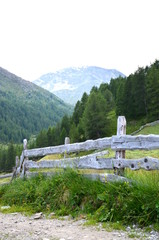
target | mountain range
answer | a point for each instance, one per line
(69, 84)
(26, 108)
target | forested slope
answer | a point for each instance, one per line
(25, 108)
(137, 96)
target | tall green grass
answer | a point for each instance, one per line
(71, 193)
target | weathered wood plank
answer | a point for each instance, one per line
(103, 177)
(141, 142)
(108, 177)
(101, 143)
(126, 142)
(93, 162)
(147, 163)
(6, 175)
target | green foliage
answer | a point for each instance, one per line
(25, 108)
(79, 109)
(152, 90)
(65, 193)
(7, 156)
(136, 96)
(42, 139)
(10, 162)
(70, 193)
(95, 117)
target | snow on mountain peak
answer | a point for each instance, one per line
(69, 84)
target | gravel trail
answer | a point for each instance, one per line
(17, 226)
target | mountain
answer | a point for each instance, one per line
(69, 84)
(26, 108)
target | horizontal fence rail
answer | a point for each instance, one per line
(125, 142)
(100, 143)
(140, 142)
(119, 143)
(92, 162)
(6, 175)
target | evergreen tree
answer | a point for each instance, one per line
(74, 134)
(65, 123)
(3, 160)
(152, 88)
(49, 137)
(95, 117)
(120, 99)
(42, 140)
(10, 161)
(79, 109)
(107, 95)
(128, 98)
(139, 93)
(63, 134)
(114, 85)
(56, 135)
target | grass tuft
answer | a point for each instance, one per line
(69, 193)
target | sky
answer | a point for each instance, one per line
(42, 36)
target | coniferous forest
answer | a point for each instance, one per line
(136, 97)
(94, 116)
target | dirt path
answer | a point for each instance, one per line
(18, 226)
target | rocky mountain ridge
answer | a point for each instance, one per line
(69, 84)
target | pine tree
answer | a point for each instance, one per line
(152, 90)
(42, 140)
(49, 137)
(63, 134)
(95, 117)
(120, 99)
(74, 134)
(10, 161)
(79, 109)
(65, 123)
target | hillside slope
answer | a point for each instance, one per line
(26, 108)
(69, 84)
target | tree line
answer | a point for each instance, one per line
(90, 120)
(136, 96)
(94, 116)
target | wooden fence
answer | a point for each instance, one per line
(119, 143)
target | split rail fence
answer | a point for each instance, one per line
(119, 143)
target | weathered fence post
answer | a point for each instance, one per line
(23, 164)
(17, 162)
(67, 141)
(24, 144)
(121, 130)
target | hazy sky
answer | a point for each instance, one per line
(41, 36)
